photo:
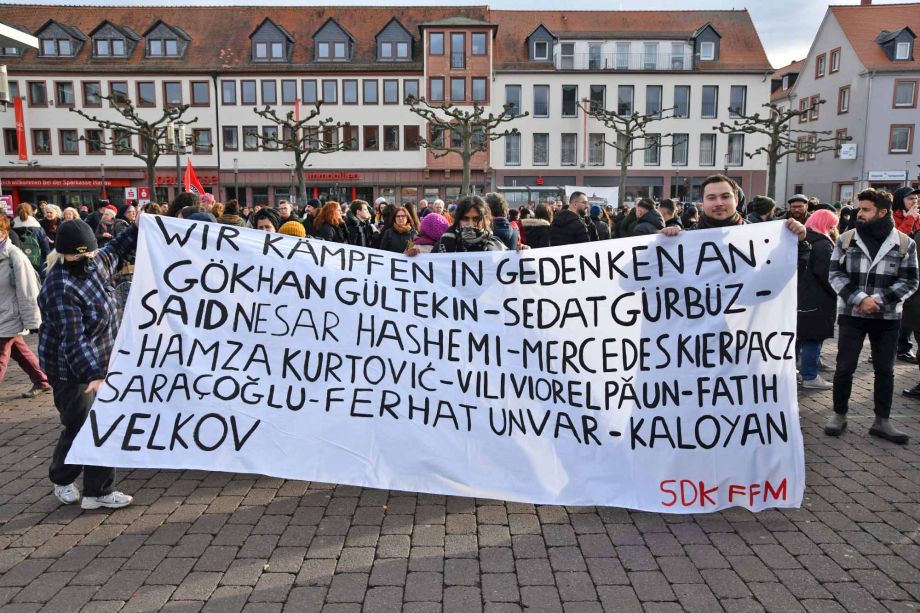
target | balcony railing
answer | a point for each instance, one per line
(622, 61)
(458, 59)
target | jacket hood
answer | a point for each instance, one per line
(30, 222)
(653, 217)
(533, 221)
(899, 195)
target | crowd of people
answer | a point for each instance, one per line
(857, 269)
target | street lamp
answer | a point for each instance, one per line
(175, 138)
(236, 179)
(291, 196)
(726, 164)
(105, 194)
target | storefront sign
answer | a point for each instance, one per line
(140, 195)
(171, 180)
(60, 182)
(333, 176)
(887, 175)
(848, 151)
(6, 204)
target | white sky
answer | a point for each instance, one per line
(786, 27)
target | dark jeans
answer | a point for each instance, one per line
(884, 345)
(73, 406)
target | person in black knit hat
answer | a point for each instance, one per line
(74, 345)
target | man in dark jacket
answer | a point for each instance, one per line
(668, 210)
(501, 227)
(569, 226)
(601, 226)
(649, 221)
(358, 223)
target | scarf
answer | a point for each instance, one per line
(707, 222)
(402, 228)
(874, 233)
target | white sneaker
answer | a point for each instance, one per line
(67, 494)
(115, 500)
(816, 384)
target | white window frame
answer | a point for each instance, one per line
(512, 141)
(574, 149)
(536, 46)
(707, 51)
(545, 160)
(898, 55)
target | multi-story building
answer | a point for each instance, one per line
(362, 65)
(864, 64)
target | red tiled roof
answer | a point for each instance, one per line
(795, 67)
(862, 24)
(740, 47)
(220, 34)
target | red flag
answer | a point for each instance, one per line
(190, 180)
(20, 129)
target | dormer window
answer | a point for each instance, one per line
(785, 82)
(109, 47)
(541, 50)
(707, 51)
(332, 43)
(902, 51)
(332, 51)
(394, 50)
(159, 47)
(9, 51)
(56, 47)
(269, 51)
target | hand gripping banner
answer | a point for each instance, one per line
(653, 373)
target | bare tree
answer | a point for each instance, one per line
(150, 134)
(782, 138)
(304, 137)
(464, 131)
(631, 135)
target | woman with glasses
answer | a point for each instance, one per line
(398, 235)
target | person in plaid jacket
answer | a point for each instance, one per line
(873, 270)
(74, 345)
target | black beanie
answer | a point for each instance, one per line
(762, 204)
(75, 237)
(266, 213)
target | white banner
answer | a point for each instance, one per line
(651, 373)
(596, 195)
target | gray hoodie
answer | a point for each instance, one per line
(18, 292)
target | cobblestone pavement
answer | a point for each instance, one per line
(198, 541)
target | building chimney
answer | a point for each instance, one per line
(865, 2)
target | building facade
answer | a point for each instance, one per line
(226, 62)
(865, 65)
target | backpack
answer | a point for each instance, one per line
(847, 238)
(30, 247)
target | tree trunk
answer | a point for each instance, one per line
(152, 177)
(771, 175)
(467, 162)
(301, 196)
(624, 168)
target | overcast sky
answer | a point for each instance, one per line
(786, 27)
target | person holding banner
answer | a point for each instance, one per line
(74, 345)
(471, 230)
(719, 208)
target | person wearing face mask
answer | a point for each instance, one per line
(470, 231)
(74, 345)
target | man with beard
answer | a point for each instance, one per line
(570, 225)
(873, 270)
(798, 208)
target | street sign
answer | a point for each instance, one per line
(887, 175)
(848, 151)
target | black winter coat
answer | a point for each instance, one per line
(650, 223)
(568, 228)
(817, 299)
(536, 233)
(360, 233)
(333, 234)
(394, 241)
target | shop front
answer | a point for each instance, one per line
(65, 191)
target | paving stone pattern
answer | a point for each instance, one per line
(199, 541)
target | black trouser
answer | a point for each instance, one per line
(883, 344)
(73, 407)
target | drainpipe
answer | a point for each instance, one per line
(863, 171)
(218, 136)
